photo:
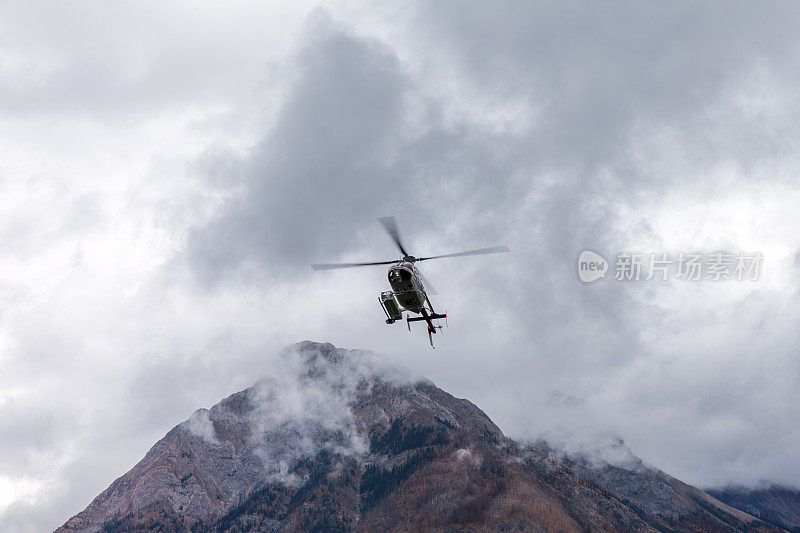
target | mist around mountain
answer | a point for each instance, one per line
(336, 442)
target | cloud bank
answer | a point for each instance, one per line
(164, 186)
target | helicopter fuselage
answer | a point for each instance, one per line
(407, 287)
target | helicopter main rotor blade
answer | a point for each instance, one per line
(429, 288)
(482, 251)
(390, 225)
(329, 266)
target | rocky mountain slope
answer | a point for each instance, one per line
(337, 444)
(776, 505)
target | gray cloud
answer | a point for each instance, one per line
(137, 294)
(327, 157)
(565, 120)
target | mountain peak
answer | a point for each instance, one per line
(311, 351)
(333, 441)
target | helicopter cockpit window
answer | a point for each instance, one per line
(405, 275)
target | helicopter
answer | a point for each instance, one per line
(408, 285)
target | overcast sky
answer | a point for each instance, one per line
(169, 170)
